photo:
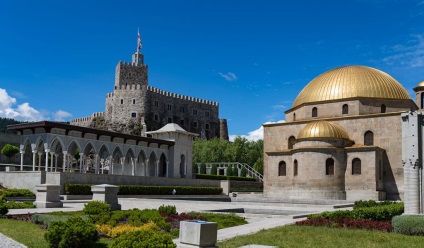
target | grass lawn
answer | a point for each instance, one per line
(31, 234)
(306, 236)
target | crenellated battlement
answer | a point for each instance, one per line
(83, 120)
(182, 97)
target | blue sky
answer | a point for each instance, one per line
(58, 58)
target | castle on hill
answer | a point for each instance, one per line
(135, 107)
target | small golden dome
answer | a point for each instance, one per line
(322, 130)
(420, 84)
(351, 81)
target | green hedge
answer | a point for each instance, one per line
(15, 193)
(219, 177)
(85, 189)
(409, 224)
(382, 212)
(371, 203)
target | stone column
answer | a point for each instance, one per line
(157, 168)
(39, 160)
(96, 163)
(167, 168)
(55, 162)
(22, 160)
(81, 160)
(122, 165)
(48, 196)
(146, 165)
(65, 154)
(112, 165)
(51, 161)
(46, 166)
(133, 166)
(106, 193)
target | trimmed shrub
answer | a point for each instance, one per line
(114, 232)
(243, 172)
(15, 193)
(144, 238)
(3, 208)
(378, 213)
(214, 169)
(241, 179)
(19, 205)
(409, 224)
(371, 203)
(235, 171)
(78, 189)
(75, 232)
(228, 172)
(96, 207)
(167, 209)
(46, 219)
(203, 168)
(348, 223)
(195, 168)
(153, 190)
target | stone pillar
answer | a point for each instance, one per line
(96, 163)
(225, 185)
(167, 169)
(106, 193)
(122, 165)
(65, 153)
(133, 166)
(48, 196)
(33, 159)
(46, 166)
(157, 168)
(22, 160)
(410, 162)
(39, 160)
(81, 160)
(55, 162)
(51, 161)
(112, 164)
(146, 170)
(196, 233)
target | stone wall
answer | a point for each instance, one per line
(387, 131)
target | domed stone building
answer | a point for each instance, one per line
(341, 139)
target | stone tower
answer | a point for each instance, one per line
(124, 109)
(419, 95)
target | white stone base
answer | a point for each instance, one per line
(198, 233)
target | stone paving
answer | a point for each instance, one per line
(256, 222)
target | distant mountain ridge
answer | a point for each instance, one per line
(7, 121)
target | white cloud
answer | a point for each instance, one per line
(9, 108)
(61, 115)
(410, 54)
(254, 135)
(228, 76)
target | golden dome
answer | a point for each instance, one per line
(420, 84)
(322, 130)
(351, 81)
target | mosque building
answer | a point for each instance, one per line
(342, 138)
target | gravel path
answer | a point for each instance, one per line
(6, 242)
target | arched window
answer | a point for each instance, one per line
(329, 166)
(295, 167)
(383, 108)
(294, 116)
(291, 141)
(282, 168)
(345, 109)
(356, 166)
(369, 138)
(314, 112)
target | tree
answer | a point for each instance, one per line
(235, 171)
(214, 170)
(229, 171)
(243, 172)
(203, 168)
(9, 150)
(195, 168)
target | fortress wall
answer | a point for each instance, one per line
(193, 114)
